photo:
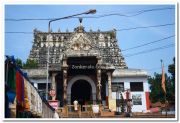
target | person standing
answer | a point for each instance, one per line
(75, 105)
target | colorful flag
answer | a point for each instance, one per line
(26, 100)
(11, 80)
(163, 79)
(19, 87)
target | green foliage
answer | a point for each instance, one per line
(171, 70)
(122, 104)
(19, 63)
(30, 64)
(157, 93)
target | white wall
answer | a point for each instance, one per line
(135, 108)
(36, 81)
(146, 87)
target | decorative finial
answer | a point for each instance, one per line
(80, 21)
(80, 28)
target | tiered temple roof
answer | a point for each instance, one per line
(101, 43)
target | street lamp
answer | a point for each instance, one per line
(91, 11)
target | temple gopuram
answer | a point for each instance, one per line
(87, 66)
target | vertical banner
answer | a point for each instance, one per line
(147, 100)
(112, 104)
(163, 79)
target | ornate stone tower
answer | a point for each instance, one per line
(104, 44)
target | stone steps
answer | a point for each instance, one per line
(73, 115)
(86, 114)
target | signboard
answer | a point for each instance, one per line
(52, 93)
(137, 100)
(54, 104)
(112, 104)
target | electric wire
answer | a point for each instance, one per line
(125, 29)
(125, 15)
(145, 44)
(150, 50)
(11, 32)
(143, 27)
(157, 68)
(143, 11)
(98, 16)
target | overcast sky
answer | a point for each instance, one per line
(129, 16)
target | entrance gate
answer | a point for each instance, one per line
(81, 91)
(88, 89)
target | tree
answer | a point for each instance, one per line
(30, 64)
(19, 63)
(171, 70)
(157, 93)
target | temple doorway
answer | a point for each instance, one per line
(81, 91)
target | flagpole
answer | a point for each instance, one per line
(163, 89)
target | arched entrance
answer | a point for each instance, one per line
(81, 91)
(79, 87)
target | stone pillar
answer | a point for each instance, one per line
(99, 84)
(65, 86)
(53, 84)
(64, 68)
(109, 85)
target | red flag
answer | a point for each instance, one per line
(19, 87)
(163, 79)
